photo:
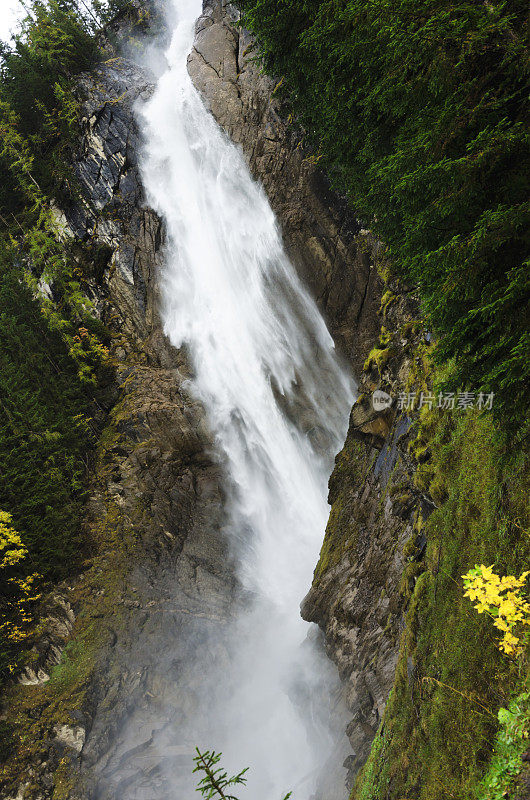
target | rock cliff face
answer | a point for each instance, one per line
(373, 546)
(159, 485)
(359, 591)
(321, 234)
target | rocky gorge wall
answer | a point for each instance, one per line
(414, 502)
(373, 545)
(155, 513)
(94, 710)
(357, 597)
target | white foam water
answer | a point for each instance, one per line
(277, 402)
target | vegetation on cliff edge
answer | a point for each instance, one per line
(52, 349)
(439, 730)
(419, 110)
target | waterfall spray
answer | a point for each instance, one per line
(276, 400)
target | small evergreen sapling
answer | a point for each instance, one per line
(215, 780)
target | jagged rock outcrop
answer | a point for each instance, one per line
(57, 620)
(373, 546)
(321, 234)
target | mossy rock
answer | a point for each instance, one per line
(378, 358)
(386, 301)
(410, 549)
(438, 731)
(407, 584)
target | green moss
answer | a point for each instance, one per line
(65, 783)
(375, 770)
(340, 537)
(408, 579)
(410, 548)
(77, 660)
(420, 373)
(423, 477)
(440, 724)
(341, 531)
(401, 498)
(378, 358)
(434, 434)
(381, 354)
(386, 301)
(438, 489)
(421, 454)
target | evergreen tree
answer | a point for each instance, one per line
(420, 110)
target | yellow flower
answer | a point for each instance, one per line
(502, 598)
(501, 624)
(487, 572)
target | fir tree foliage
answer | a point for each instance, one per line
(419, 110)
(45, 431)
(53, 44)
(56, 40)
(215, 783)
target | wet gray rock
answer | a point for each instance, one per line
(331, 252)
(72, 738)
(111, 211)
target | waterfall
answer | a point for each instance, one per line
(277, 403)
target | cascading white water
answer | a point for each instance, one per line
(277, 402)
